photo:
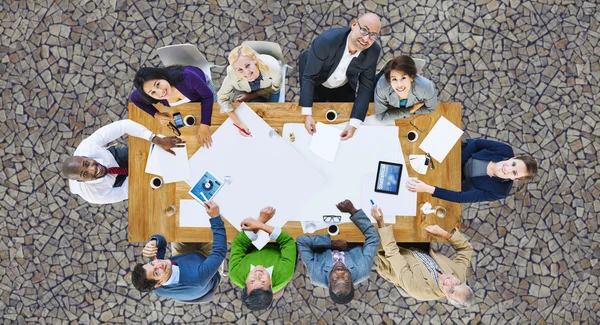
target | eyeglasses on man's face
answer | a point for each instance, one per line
(365, 32)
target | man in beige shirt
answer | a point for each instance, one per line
(426, 275)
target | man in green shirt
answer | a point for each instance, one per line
(260, 273)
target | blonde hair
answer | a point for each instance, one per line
(244, 50)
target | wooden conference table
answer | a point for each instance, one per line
(146, 207)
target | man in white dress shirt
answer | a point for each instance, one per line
(340, 62)
(99, 174)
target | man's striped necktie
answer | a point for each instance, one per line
(118, 171)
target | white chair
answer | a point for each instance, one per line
(274, 50)
(420, 64)
(186, 54)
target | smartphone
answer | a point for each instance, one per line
(178, 120)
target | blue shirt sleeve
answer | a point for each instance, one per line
(207, 270)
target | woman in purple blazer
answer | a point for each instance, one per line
(172, 86)
(489, 169)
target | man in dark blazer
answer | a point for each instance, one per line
(330, 264)
(337, 63)
(187, 276)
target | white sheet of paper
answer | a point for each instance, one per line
(264, 172)
(325, 141)
(173, 168)
(152, 163)
(441, 139)
(374, 121)
(192, 214)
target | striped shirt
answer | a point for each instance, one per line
(429, 262)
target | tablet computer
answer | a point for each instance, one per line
(206, 188)
(388, 177)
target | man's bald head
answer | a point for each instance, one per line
(82, 169)
(372, 21)
(364, 32)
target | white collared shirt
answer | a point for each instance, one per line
(174, 278)
(338, 78)
(101, 191)
(269, 269)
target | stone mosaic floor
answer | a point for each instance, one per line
(526, 72)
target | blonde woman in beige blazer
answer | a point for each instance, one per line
(256, 77)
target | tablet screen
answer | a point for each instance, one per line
(388, 177)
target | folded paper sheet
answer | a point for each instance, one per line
(441, 139)
(325, 142)
(171, 168)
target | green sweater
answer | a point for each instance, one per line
(282, 257)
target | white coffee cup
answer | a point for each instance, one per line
(191, 122)
(156, 182)
(412, 136)
(333, 230)
(331, 115)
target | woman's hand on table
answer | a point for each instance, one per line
(203, 136)
(245, 128)
(163, 118)
(415, 185)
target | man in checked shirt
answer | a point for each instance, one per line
(426, 275)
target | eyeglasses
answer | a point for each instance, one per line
(412, 122)
(365, 32)
(331, 218)
(174, 129)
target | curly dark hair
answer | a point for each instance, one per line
(139, 279)
(172, 74)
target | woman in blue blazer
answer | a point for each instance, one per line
(172, 86)
(489, 169)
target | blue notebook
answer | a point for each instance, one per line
(206, 188)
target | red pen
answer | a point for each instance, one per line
(243, 131)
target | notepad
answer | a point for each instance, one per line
(441, 139)
(325, 141)
(171, 168)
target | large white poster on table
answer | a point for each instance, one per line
(264, 171)
(352, 174)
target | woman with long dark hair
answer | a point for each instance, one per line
(172, 86)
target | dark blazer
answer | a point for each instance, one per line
(320, 60)
(315, 251)
(482, 188)
(198, 275)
